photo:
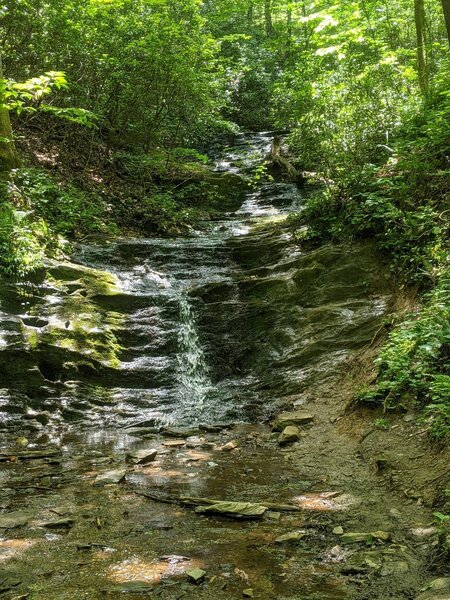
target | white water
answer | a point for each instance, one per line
(194, 381)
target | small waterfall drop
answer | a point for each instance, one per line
(194, 381)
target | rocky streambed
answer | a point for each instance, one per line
(145, 446)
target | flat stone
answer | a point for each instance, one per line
(289, 435)
(63, 510)
(230, 446)
(110, 477)
(134, 587)
(338, 530)
(234, 509)
(215, 427)
(141, 457)
(395, 567)
(180, 432)
(273, 516)
(141, 431)
(59, 524)
(293, 536)
(174, 443)
(196, 575)
(357, 538)
(14, 519)
(297, 417)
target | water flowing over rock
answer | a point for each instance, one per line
(226, 324)
(144, 387)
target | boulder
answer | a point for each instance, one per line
(289, 435)
(297, 417)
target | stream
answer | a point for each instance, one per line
(189, 346)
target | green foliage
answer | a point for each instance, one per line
(382, 424)
(28, 97)
(403, 205)
(67, 210)
(413, 364)
(22, 240)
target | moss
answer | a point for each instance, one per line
(76, 323)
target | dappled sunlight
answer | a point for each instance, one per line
(325, 501)
(136, 569)
(13, 548)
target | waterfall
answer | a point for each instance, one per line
(195, 384)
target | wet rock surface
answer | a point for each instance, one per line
(129, 464)
(315, 528)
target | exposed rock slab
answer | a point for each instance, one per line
(15, 519)
(245, 510)
(297, 417)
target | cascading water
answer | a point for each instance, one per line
(194, 381)
(218, 325)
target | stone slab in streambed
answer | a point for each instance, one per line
(142, 457)
(110, 477)
(438, 589)
(296, 418)
(15, 519)
(242, 510)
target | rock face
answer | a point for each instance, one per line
(289, 435)
(298, 417)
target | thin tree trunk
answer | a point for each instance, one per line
(9, 159)
(268, 17)
(250, 15)
(446, 9)
(419, 17)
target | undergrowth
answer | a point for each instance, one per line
(39, 211)
(403, 204)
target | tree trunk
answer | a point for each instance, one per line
(279, 166)
(268, 17)
(446, 9)
(9, 159)
(250, 15)
(419, 17)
